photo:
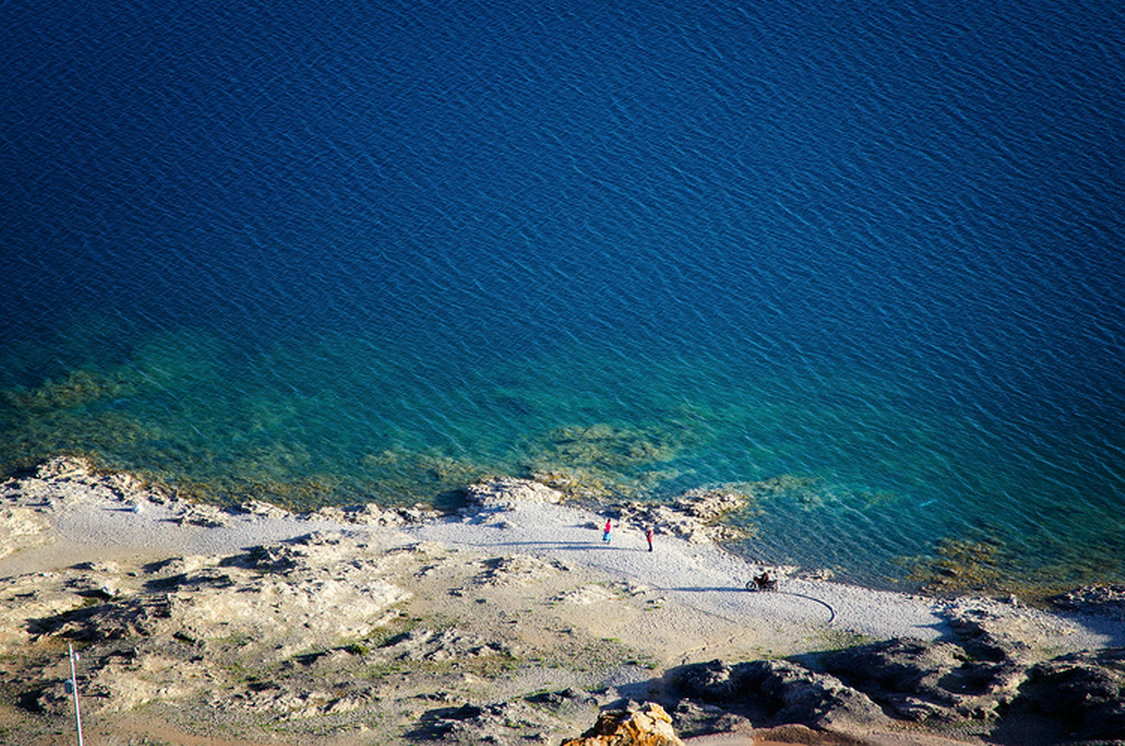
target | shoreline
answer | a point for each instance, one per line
(954, 565)
(124, 521)
(515, 552)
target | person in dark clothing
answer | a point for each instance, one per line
(764, 582)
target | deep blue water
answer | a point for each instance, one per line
(378, 250)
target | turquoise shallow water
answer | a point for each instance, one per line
(867, 265)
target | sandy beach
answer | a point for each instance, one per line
(538, 568)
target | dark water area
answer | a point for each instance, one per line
(866, 264)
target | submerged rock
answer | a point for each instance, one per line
(64, 468)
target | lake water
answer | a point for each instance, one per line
(865, 263)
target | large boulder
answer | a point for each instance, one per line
(648, 725)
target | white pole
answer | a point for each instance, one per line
(74, 688)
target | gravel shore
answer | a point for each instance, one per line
(90, 520)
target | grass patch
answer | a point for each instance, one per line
(831, 640)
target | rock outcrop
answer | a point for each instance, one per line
(154, 631)
(63, 482)
(777, 692)
(694, 516)
(986, 681)
(934, 682)
(507, 492)
(20, 528)
(371, 514)
(278, 599)
(1103, 600)
(648, 725)
(1084, 692)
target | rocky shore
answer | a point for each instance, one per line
(510, 623)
